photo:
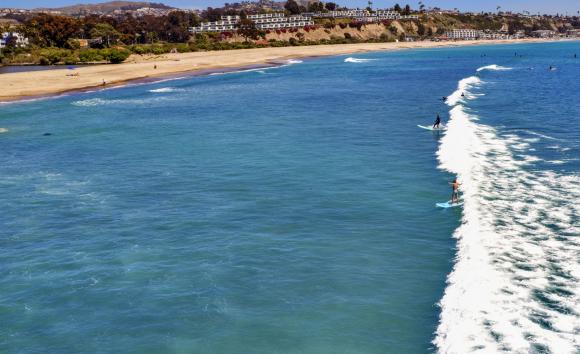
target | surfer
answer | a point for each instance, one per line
(437, 122)
(455, 191)
(462, 94)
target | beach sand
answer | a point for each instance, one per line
(49, 82)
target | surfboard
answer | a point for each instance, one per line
(430, 127)
(448, 204)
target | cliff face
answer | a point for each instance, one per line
(374, 31)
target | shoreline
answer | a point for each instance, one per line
(48, 83)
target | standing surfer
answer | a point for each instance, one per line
(455, 191)
(437, 122)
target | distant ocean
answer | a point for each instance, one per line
(292, 209)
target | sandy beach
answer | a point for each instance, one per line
(39, 83)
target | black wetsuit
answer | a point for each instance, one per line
(437, 122)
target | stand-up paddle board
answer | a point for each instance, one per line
(449, 204)
(430, 127)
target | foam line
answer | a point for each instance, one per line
(357, 60)
(514, 285)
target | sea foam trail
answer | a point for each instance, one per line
(357, 60)
(493, 67)
(514, 284)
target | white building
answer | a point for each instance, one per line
(263, 22)
(544, 34)
(21, 41)
(366, 16)
(464, 34)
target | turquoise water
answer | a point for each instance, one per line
(283, 210)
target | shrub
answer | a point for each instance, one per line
(138, 49)
(347, 36)
(342, 25)
(182, 48)
(158, 50)
(71, 59)
(90, 55)
(54, 55)
(116, 56)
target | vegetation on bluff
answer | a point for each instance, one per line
(98, 39)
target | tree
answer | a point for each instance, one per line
(315, 6)
(51, 31)
(421, 30)
(407, 10)
(397, 8)
(107, 33)
(292, 7)
(330, 6)
(247, 28)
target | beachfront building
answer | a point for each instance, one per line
(341, 14)
(365, 15)
(543, 34)
(262, 21)
(464, 34)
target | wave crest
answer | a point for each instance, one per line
(357, 60)
(514, 285)
(493, 67)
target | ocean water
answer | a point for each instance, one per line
(292, 209)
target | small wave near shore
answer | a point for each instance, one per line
(357, 60)
(514, 285)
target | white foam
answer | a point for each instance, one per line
(357, 60)
(166, 90)
(510, 254)
(93, 102)
(493, 67)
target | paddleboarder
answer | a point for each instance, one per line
(455, 191)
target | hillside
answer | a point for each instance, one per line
(106, 7)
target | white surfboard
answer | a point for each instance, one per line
(430, 127)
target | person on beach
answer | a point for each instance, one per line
(437, 122)
(455, 191)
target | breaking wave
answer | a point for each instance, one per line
(94, 102)
(514, 285)
(294, 61)
(493, 67)
(357, 60)
(166, 90)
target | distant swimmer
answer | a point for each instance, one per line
(437, 122)
(47, 134)
(552, 68)
(455, 191)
